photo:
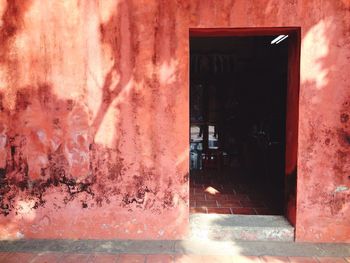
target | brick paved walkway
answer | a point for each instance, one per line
(49, 257)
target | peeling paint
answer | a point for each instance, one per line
(341, 188)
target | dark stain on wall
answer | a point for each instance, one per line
(343, 137)
(327, 141)
(106, 177)
(91, 191)
(337, 201)
(344, 118)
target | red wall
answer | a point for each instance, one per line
(94, 114)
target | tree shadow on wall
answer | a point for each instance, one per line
(43, 131)
(53, 137)
(12, 24)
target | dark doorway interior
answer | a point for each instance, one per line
(238, 116)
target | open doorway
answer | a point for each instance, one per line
(239, 103)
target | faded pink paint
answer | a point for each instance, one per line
(94, 114)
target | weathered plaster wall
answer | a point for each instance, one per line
(93, 127)
(94, 114)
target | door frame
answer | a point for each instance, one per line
(292, 100)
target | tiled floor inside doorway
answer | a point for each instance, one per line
(230, 192)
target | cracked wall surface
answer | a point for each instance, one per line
(94, 114)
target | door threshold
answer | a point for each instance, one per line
(240, 227)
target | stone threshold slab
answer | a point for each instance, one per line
(240, 227)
